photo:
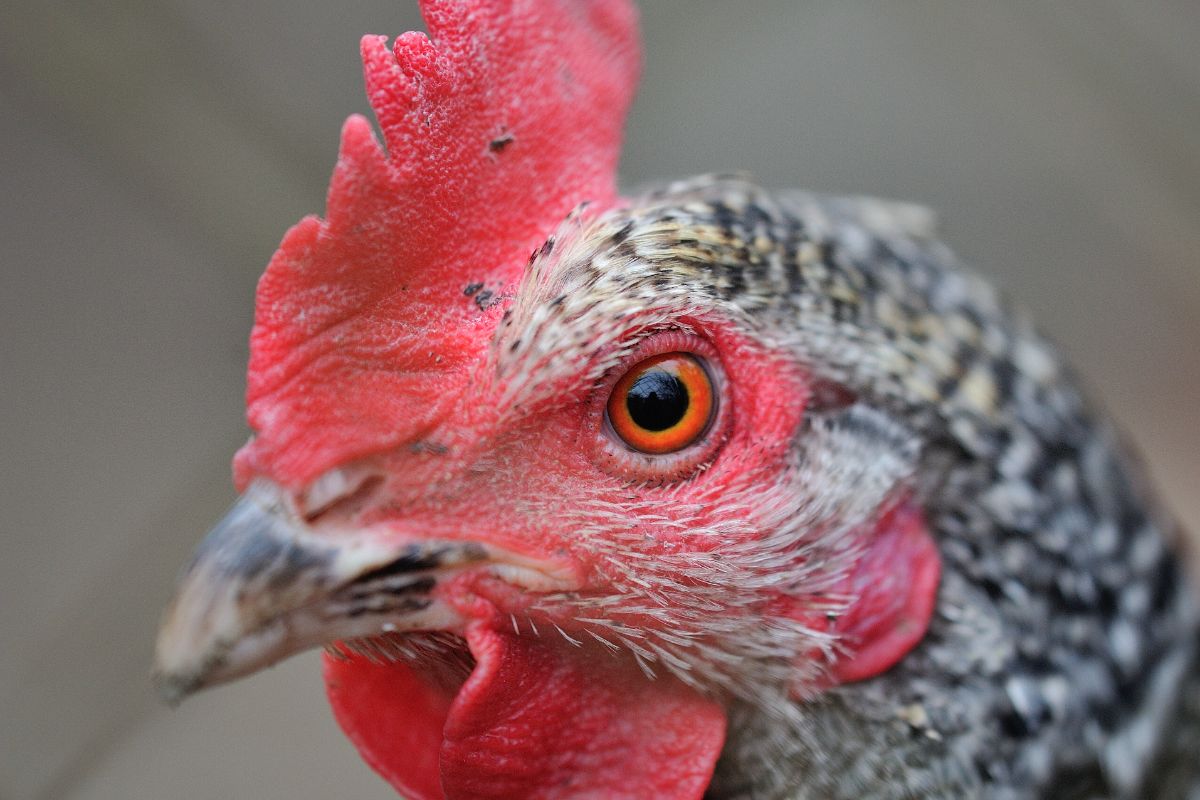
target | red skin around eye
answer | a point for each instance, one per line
(690, 426)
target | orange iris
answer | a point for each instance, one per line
(663, 404)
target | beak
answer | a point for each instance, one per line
(264, 585)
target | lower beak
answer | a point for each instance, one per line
(264, 585)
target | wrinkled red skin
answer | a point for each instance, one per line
(505, 121)
(370, 338)
(534, 720)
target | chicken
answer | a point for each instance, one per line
(720, 492)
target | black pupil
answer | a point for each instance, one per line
(657, 400)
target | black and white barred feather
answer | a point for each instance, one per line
(1062, 659)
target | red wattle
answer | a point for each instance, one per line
(394, 715)
(540, 719)
(536, 719)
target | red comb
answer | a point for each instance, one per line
(507, 116)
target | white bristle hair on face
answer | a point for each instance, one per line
(440, 653)
(581, 308)
(708, 625)
(572, 316)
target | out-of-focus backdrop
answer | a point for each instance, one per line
(152, 154)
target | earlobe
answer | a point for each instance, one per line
(894, 586)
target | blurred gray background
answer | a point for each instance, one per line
(152, 154)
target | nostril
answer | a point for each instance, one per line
(338, 490)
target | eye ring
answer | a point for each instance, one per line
(610, 451)
(663, 404)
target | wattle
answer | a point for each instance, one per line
(536, 718)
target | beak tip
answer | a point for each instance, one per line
(173, 689)
(180, 666)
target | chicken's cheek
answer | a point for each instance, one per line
(537, 718)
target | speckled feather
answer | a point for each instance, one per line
(1061, 661)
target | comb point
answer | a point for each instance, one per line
(494, 127)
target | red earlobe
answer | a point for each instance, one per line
(895, 585)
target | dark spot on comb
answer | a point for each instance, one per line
(486, 299)
(568, 79)
(472, 288)
(500, 142)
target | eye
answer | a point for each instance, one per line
(663, 404)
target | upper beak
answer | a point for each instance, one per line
(264, 585)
